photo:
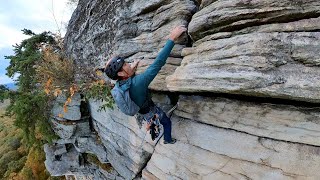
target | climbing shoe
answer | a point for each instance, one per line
(172, 141)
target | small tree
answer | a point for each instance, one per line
(44, 74)
(3, 93)
(29, 103)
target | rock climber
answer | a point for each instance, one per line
(117, 69)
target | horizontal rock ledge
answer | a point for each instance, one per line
(227, 16)
(277, 65)
(274, 121)
(208, 152)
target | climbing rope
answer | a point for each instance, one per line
(169, 113)
(140, 147)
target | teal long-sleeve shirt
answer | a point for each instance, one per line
(139, 85)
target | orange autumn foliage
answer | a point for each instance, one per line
(35, 162)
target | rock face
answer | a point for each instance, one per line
(68, 155)
(256, 48)
(129, 145)
(73, 108)
(127, 28)
(221, 138)
(245, 76)
(276, 121)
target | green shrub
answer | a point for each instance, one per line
(29, 104)
(100, 91)
(14, 143)
(3, 93)
(26, 172)
(8, 157)
(15, 166)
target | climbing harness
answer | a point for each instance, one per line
(156, 123)
(154, 130)
(154, 127)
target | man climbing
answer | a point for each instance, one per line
(117, 69)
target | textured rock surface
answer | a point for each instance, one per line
(277, 121)
(91, 145)
(132, 29)
(71, 163)
(123, 138)
(67, 130)
(66, 163)
(68, 155)
(266, 49)
(208, 152)
(232, 15)
(73, 108)
(273, 60)
(255, 64)
(62, 130)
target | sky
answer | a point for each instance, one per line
(36, 15)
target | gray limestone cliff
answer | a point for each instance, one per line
(246, 78)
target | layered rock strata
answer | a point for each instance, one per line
(68, 155)
(131, 146)
(255, 48)
(132, 29)
(222, 138)
(248, 75)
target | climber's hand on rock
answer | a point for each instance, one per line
(176, 32)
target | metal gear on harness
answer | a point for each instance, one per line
(169, 114)
(155, 127)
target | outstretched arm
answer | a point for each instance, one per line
(160, 61)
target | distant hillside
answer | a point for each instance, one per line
(4, 105)
(11, 86)
(17, 160)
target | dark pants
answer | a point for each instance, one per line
(166, 122)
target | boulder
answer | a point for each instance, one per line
(64, 131)
(93, 146)
(64, 164)
(72, 111)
